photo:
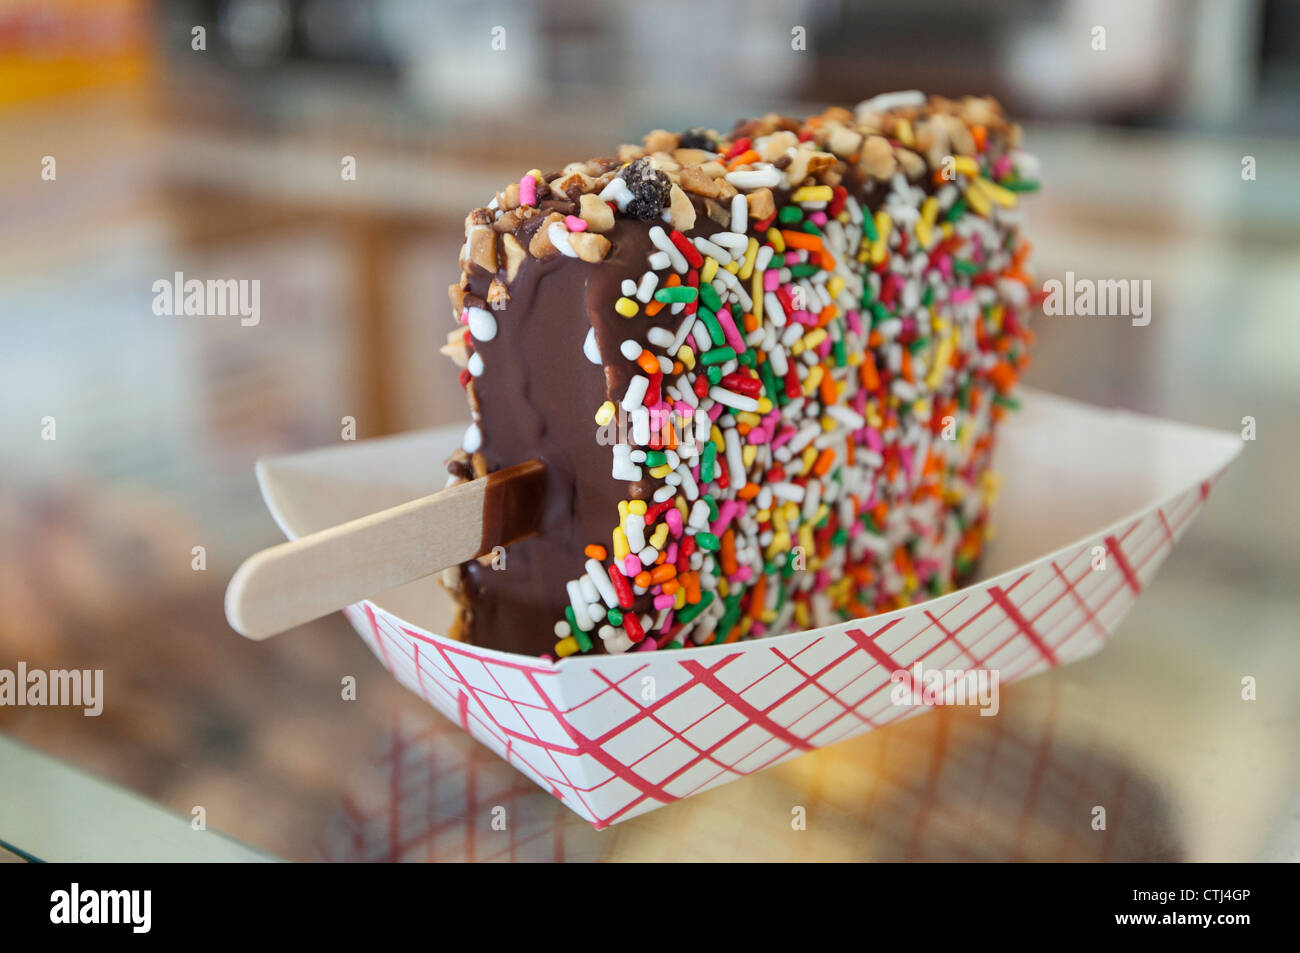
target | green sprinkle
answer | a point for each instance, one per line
(710, 298)
(719, 355)
(789, 214)
(655, 458)
(804, 271)
(869, 226)
(615, 617)
(689, 612)
(715, 329)
(714, 374)
(708, 542)
(709, 502)
(1021, 185)
(957, 211)
(967, 267)
(674, 644)
(812, 229)
(680, 294)
(1004, 400)
(583, 639)
(706, 462)
(748, 358)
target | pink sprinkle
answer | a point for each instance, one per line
(726, 510)
(670, 553)
(757, 629)
(647, 645)
(528, 190)
(874, 441)
(806, 318)
(960, 295)
(631, 565)
(729, 330)
(1002, 167)
(818, 218)
(785, 436)
(673, 517)
(945, 266)
(771, 280)
(714, 412)
(574, 224)
(824, 348)
(743, 574)
(792, 257)
(908, 461)
(822, 579)
(758, 436)
(855, 321)
(666, 602)
(464, 316)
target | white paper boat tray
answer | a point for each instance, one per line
(616, 736)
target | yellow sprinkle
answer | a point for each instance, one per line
(709, 270)
(660, 472)
(768, 616)
(822, 512)
(1003, 196)
(623, 511)
(814, 379)
(978, 201)
(834, 286)
(745, 417)
(801, 614)
(732, 266)
(748, 453)
(809, 458)
(763, 515)
(751, 252)
(679, 598)
(722, 588)
(775, 239)
(687, 357)
(880, 248)
(716, 436)
(903, 128)
(806, 539)
(941, 360)
(764, 405)
(626, 307)
(996, 314)
(659, 536)
(621, 548)
(967, 166)
(605, 414)
(813, 193)
(780, 544)
(828, 424)
(814, 337)
(566, 646)
(778, 518)
(637, 506)
(756, 293)
(791, 513)
(536, 174)
(946, 229)
(922, 409)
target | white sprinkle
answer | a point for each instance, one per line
(634, 527)
(636, 390)
(472, 440)
(739, 214)
(629, 287)
(711, 250)
(475, 364)
(887, 101)
(665, 492)
(630, 349)
(482, 325)
(735, 460)
(641, 425)
(765, 176)
(601, 579)
(764, 258)
(849, 417)
(590, 348)
(659, 260)
(589, 591)
(772, 309)
(579, 605)
(731, 240)
(645, 290)
(659, 337)
(559, 236)
(787, 491)
(661, 241)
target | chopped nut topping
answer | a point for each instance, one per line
(680, 210)
(589, 246)
(515, 255)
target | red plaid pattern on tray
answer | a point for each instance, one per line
(616, 736)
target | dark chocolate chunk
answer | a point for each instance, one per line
(649, 188)
(697, 137)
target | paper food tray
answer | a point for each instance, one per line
(616, 736)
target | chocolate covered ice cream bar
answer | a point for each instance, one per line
(763, 371)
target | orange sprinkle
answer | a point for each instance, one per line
(654, 307)
(647, 362)
(1003, 376)
(829, 393)
(595, 552)
(824, 461)
(670, 587)
(751, 322)
(757, 596)
(663, 573)
(981, 137)
(802, 240)
(875, 339)
(745, 158)
(729, 564)
(870, 376)
(748, 491)
(642, 579)
(678, 367)
(691, 581)
(907, 365)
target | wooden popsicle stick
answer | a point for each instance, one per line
(315, 575)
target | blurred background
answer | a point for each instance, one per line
(208, 138)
